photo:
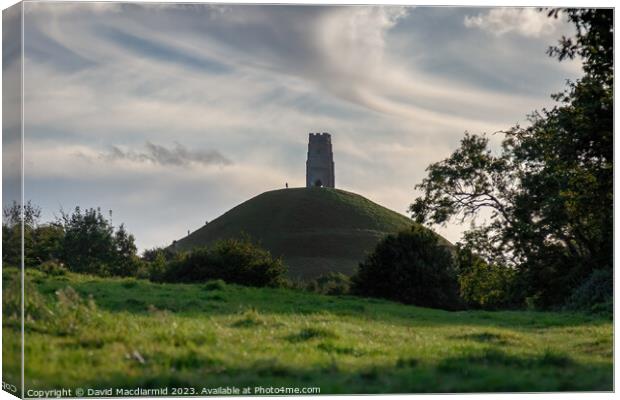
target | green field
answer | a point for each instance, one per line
(214, 334)
(314, 230)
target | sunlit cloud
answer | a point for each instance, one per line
(528, 22)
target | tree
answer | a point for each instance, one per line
(550, 188)
(89, 241)
(13, 216)
(92, 246)
(411, 267)
(484, 285)
(126, 260)
(47, 243)
(11, 245)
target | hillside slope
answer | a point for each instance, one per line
(315, 230)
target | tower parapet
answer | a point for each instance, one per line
(320, 163)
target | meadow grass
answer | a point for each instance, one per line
(215, 334)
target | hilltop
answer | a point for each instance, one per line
(314, 230)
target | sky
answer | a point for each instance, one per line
(171, 114)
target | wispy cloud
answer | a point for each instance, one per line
(395, 86)
(178, 155)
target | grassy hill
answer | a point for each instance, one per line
(315, 230)
(140, 334)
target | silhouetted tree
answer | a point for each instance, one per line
(411, 267)
(550, 189)
(12, 232)
(92, 246)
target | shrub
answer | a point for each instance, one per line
(217, 284)
(66, 315)
(143, 271)
(411, 267)
(333, 283)
(53, 268)
(483, 285)
(232, 260)
(155, 263)
(34, 304)
(70, 313)
(165, 253)
(595, 294)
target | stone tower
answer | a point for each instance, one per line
(320, 164)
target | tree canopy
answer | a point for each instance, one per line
(550, 187)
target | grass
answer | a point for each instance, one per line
(155, 335)
(299, 224)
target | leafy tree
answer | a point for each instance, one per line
(126, 260)
(84, 240)
(11, 245)
(12, 233)
(150, 255)
(91, 245)
(484, 285)
(550, 188)
(47, 243)
(13, 214)
(155, 263)
(411, 267)
(595, 294)
(89, 241)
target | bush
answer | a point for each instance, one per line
(217, 284)
(411, 267)
(65, 315)
(232, 260)
(53, 268)
(155, 263)
(143, 271)
(69, 313)
(333, 283)
(165, 253)
(34, 303)
(595, 294)
(483, 285)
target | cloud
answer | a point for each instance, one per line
(178, 155)
(159, 52)
(528, 22)
(156, 202)
(107, 90)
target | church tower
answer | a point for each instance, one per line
(320, 164)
